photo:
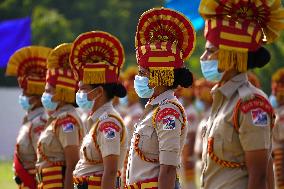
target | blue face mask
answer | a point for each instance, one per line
(123, 101)
(141, 87)
(48, 104)
(273, 101)
(209, 70)
(83, 102)
(24, 102)
(199, 105)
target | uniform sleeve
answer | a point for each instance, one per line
(108, 137)
(254, 132)
(168, 127)
(69, 130)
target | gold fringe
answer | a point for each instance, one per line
(232, 59)
(161, 76)
(94, 76)
(65, 94)
(35, 88)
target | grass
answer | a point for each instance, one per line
(6, 175)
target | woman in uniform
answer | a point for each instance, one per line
(29, 65)
(236, 139)
(164, 40)
(97, 58)
(58, 146)
(277, 101)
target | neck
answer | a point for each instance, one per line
(99, 102)
(229, 74)
(159, 90)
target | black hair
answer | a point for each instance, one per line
(112, 90)
(182, 77)
(258, 58)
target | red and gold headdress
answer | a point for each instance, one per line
(29, 65)
(96, 57)
(164, 40)
(128, 77)
(239, 26)
(60, 75)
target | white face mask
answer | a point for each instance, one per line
(141, 87)
(210, 71)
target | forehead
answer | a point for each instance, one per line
(81, 85)
(209, 45)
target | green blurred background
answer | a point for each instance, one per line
(55, 22)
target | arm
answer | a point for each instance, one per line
(257, 162)
(110, 172)
(72, 156)
(167, 177)
(270, 180)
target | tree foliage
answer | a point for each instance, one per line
(55, 22)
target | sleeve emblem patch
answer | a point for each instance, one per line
(168, 122)
(109, 129)
(259, 117)
(68, 127)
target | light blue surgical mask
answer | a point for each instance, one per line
(141, 87)
(123, 101)
(199, 105)
(209, 70)
(48, 104)
(24, 102)
(83, 102)
(273, 101)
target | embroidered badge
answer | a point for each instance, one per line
(259, 117)
(169, 123)
(103, 116)
(109, 129)
(37, 130)
(68, 127)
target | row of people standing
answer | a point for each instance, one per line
(88, 70)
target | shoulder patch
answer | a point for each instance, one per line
(68, 123)
(259, 117)
(109, 129)
(166, 112)
(254, 103)
(37, 130)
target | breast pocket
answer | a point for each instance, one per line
(149, 141)
(89, 150)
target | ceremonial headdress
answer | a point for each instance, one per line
(164, 40)
(239, 26)
(97, 57)
(128, 77)
(60, 75)
(28, 64)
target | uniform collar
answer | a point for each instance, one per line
(231, 86)
(33, 114)
(167, 95)
(62, 109)
(101, 110)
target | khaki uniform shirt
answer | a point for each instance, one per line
(254, 134)
(278, 131)
(162, 141)
(28, 137)
(64, 128)
(134, 114)
(110, 138)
